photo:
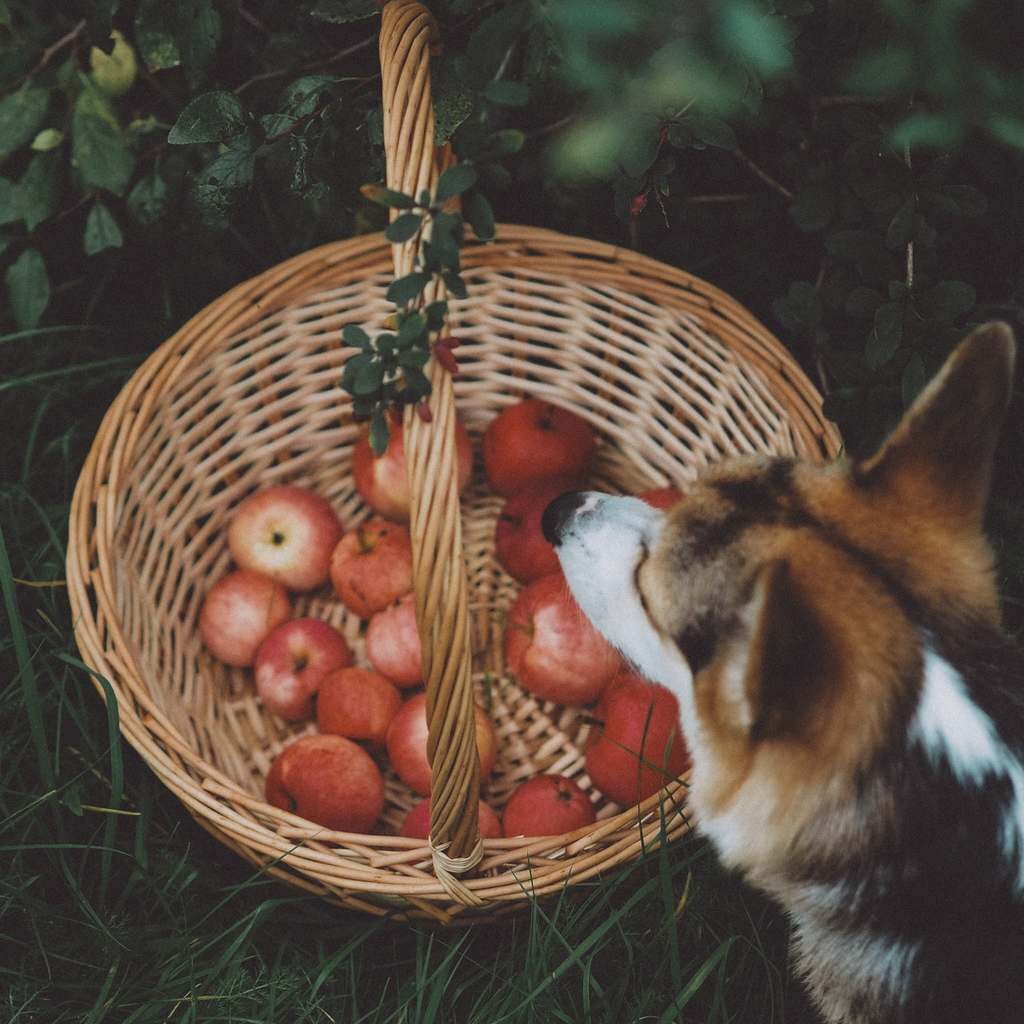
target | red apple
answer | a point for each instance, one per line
(407, 744)
(238, 614)
(640, 747)
(417, 822)
(292, 662)
(533, 440)
(328, 780)
(358, 703)
(372, 566)
(393, 643)
(519, 542)
(287, 533)
(661, 497)
(551, 647)
(547, 805)
(383, 480)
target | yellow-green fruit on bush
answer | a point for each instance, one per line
(114, 72)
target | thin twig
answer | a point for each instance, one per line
(54, 48)
(720, 197)
(910, 244)
(317, 65)
(764, 175)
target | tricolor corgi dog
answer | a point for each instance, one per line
(854, 711)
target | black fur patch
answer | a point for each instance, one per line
(937, 876)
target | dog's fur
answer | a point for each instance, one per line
(854, 710)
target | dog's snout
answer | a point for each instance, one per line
(557, 514)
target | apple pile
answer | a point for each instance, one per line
(286, 539)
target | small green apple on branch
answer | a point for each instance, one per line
(388, 371)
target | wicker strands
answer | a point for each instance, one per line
(671, 373)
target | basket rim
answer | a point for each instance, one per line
(93, 506)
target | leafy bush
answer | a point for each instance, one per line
(860, 153)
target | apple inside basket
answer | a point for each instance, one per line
(286, 537)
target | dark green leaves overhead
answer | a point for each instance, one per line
(211, 117)
(156, 34)
(21, 114)
(29, 288)
(147, 201)
(100, 152)
(455, 181)
(101, 231)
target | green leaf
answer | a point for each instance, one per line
(197, 35)
(5, 14)
(493, 37)
(354, 336)
(368, 378)
(507, 142)
(340, 12)
(354, 366)
(405, 289)
(882, 72)
(156, 34)
(938, 130)
(1007, 129)
(302, 96)
(380, 434)
(453, 98)
(21, 114)
(39, 189)
(101, 230)
(711, 131)
(415, 358)
(211, 117)
(455, 181)
(478, 212)
(948, 300)
(436, 313)
(901, 227)
(884, 341)
(913, 380)
(10, 202)
(29, 288)
(814, 206)
(98, 150)
(384, 196)
(416, 380)
(412, 329)
(402, 228)
(455, 285)
(761, 40)
(147, 201)
(800, 309)
(507, 94)
(47, 139)
(862, 302)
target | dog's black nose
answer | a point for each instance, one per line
(557, 514)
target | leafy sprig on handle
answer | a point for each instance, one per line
(387, 374)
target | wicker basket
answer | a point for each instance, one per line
(671, 373)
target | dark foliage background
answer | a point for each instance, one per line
(851, 171)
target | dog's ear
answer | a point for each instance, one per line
(773, 661)
(939, 457)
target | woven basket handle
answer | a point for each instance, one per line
(407, 37)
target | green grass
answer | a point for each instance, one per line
(116, 907)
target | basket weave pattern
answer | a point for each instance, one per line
(670, 372)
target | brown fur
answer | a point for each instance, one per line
(809, 675)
